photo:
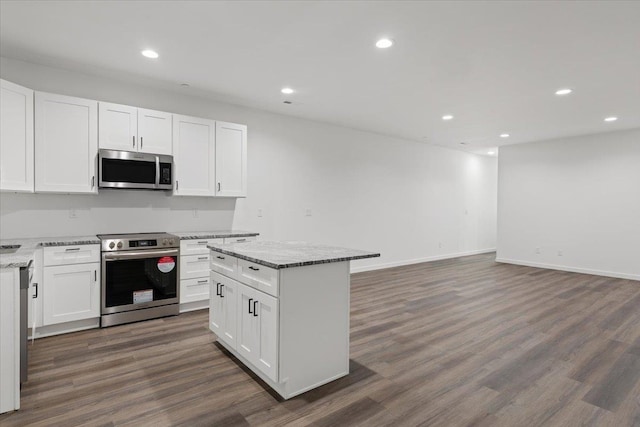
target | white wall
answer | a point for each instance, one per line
(402, 198)
(580, 196)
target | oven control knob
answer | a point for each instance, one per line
(111, 245)
(119, 245)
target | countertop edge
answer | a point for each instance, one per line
(217, 235)
(293, 264)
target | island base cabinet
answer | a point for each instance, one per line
(258, 329)
(222, 308)
(72, 292)
(298, 341)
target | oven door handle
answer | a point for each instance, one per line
(113, 256)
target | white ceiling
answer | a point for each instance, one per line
(494, 65)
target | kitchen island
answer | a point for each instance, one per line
(282, 308)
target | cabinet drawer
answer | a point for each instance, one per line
(258, 276)
(194, 266)
(194, 289)
(239, 239)
(64, 255)
(196, 246)
(224, 264)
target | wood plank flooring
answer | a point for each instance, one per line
(462, 342)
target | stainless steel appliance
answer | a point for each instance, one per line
(128, 169)
(140, 277)
(26, 274)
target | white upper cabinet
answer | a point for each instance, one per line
(118, 127)
(16, 138)
(194, 156)
(154, 131)
(66, 144)
(231, 160)
(127, 128)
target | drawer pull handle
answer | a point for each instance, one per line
(253, 268)
(255, 311)
(35, 286)
(217, 289)
(250, 299)
(220, 257)
(202, 281)
(203, 258)
(241, 240)
(202, 243)
(72, 249)
(221, 289)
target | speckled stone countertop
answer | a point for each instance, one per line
(24, 254)
(192, 235)
(290, 254)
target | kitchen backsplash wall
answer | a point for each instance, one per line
(111, 211)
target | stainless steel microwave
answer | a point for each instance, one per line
(128, 169)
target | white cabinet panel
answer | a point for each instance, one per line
(16, 138)
(231, 159)
(196, 246)
(223, 308)
(194, 266)
(62, 255)
(154, 131)
(71, 292)
(239, 239)
(224, 264)
(118, 126)
(194, 156)
(257, 329)
(258, 276)
(66, 144)
(192, 290)
(9, 339)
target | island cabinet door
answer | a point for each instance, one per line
(222, 308)
(257, 329)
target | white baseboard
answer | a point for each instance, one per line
(570, 269)
(195, 305)
(419, 260)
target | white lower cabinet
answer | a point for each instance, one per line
(71, 292)
(258, 329)
(295, 340)
(223, 308)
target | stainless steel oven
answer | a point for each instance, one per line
(140, 277)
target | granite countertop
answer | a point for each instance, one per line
(24, 254)
(191, 235)
(290, 254)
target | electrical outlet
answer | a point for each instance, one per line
(440, 245)
(195, 213)
(260, 213)
(559, 253)
(73, 214)
(538, 250)
(307, 212)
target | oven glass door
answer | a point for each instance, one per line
(138, 279)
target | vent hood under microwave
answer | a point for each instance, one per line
(128, 169)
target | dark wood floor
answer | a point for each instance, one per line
(450, 343)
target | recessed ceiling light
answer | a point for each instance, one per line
(611, 119)
(384, 43)
(491, 153)
(148, 53)
(504, 135)
(563, 91)
(185, 84)
(287, 90)
(447, 117)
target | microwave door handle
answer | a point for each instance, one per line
(157, 171)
